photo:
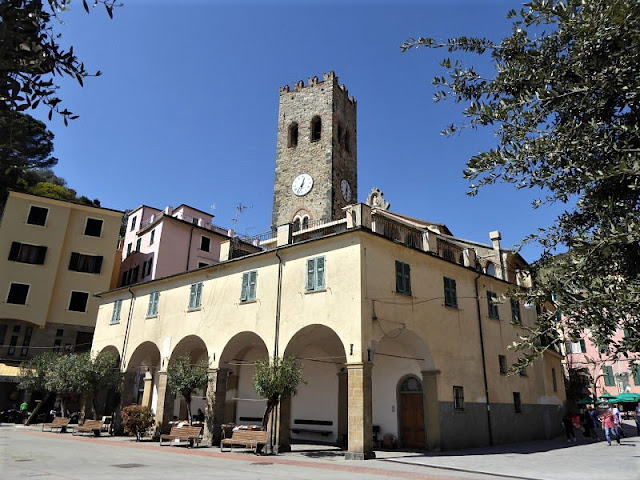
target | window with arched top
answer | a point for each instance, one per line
(316, 128)
(296, 224)
(305, 222)
(293, 135)
(411, 384)
(347, 141)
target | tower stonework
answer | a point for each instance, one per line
(316, 157)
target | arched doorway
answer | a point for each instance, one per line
(411, 413)
(195, 348)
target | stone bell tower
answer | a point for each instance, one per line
(316, 157)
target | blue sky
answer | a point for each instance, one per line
(186, 108)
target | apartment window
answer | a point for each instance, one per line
(129, 247)
(26, 342)
(458, 398)
(403, 278)
(554, 380)
(138, 244)
(146, 268)
(607, 373)
(78, 301)
(502, 361)
(315, 274)
(195, 296)
(18, 293)
(56, 345)
(576, 347)
(85, 263)
(59, 332)
(37, 216)
(25, 253)
(523, 372)
(115, 314)
(450, 295)
(152, 236)
(515, 311)
(152, 309)
(603, 349)
(93, 228)
(12, 345)
(195, 221)
(316, 129)
(205, 244)
(134, 220)
(3, 332)
(202, 264)
(635, 370)
(492, 305)
(249, 283)
(135, 271)
(517, 402)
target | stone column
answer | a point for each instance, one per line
(283, 437)
(214, 410)
(164, 407)
(360, 436)
(343, 409)
(431, 409)
(148, 389)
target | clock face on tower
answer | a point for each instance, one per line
(345, 188)
(302, 184)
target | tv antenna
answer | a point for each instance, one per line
(239, 209)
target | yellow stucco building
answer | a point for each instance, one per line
(400, 326)
(55, 256)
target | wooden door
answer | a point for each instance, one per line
(412, 418)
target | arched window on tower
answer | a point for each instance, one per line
(305, 222)
(293, 135)
(296, 224)
(347, 141)
(316, 129)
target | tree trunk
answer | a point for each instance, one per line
(37, 409)
(63, 409)
(271, 403)
(187, 398)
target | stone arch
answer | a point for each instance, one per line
(107, 401)
(140, 370)
(241, 402)
(318, 413)
(399, 355)
(196, 349)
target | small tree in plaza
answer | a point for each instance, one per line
(33, 378)
(137, 419)
(103, 374)
(69, 375)
(183, 377)
(275, 380)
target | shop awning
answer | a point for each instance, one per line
(626, 398)
(9, 373)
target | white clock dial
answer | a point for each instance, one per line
(345, 188)
(302, 184)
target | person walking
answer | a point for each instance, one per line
(638, 419)
(567, 423)
(587, 424)
(610, 427)
(596, 423)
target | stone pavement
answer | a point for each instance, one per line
(28, 452)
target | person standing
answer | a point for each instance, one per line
(610, 427)
(638, 419)
(596, 423)
(587, 424)
(567, 423)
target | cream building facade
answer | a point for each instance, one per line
(55, 256)
(401, 327)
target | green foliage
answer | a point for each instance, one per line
(183, 378)
(51, 190)
(564, 101)
(34, 372)
(275, 380)
(137, 419)
(31, 55)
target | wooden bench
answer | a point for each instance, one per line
(192, 435)
(92, 427)
(58, 422)
(245, 438)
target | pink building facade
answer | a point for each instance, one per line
(588, 362)
(158, 243)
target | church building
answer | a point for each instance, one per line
(401, 328)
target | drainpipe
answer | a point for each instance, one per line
(189, 250)
(273, 441)
(128, 327)
(484, 363)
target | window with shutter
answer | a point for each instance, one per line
(450, 294)
(25, 253)
(515, 311)
(195, 296)
(315, 274)
(115, 314)
(609, 380)
(403, 278)
(152, 309)
(492, 305)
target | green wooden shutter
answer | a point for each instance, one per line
(245, 287)
(407, 278)
(193, 296)
(583, 346)
(198, 295)
(399, 277)
(253, 279)
(311, 277)
(115, 316)
(319, 273)
(636, 374)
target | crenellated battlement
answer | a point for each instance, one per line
(315, 81)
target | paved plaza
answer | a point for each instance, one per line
(26, 452)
